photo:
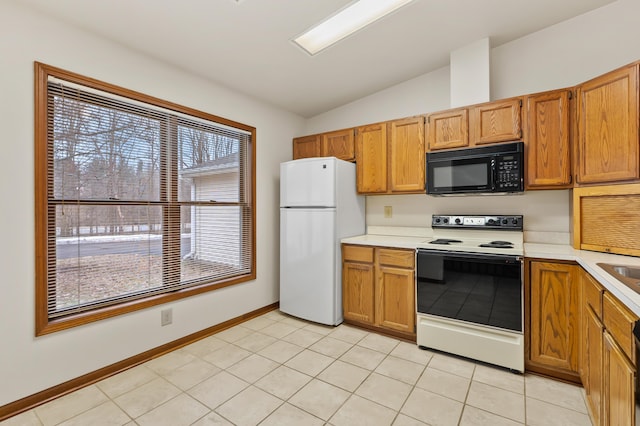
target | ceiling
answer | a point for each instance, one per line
(246, 44)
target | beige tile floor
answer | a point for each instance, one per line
(278, 370)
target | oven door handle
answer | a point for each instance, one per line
(502, 258)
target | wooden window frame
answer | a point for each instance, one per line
(44, 324)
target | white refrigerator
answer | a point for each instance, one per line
(318, 206)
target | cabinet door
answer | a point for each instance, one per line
(306, 146)
(592, 358)
(339, 144)
(407, 154)
(371, 158)
(395, 299)
(547, 140)
(449, 129)
(619, 385)
(358, 292)
(496, 122)
(554, 316)
(608, 127)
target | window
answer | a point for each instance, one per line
(138, 201)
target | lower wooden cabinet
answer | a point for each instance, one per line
(608, 356)
(554, 319)
(378, 288)
(358, 289)
(592, 344)
(619, 384)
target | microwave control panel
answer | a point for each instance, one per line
(509, 173)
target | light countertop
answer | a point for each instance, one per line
(411, 237)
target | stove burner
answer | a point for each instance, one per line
(498, 244)
(444, 241)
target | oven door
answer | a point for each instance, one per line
(483, 289)
(459, 175)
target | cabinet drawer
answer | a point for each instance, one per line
(618, 321)
(402, 258)
(592, 293)
(358, 253)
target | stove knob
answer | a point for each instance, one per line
(458, 221)
(445, 220)
(491, 221)
(505, 221)
(514, 221)
(437, 220)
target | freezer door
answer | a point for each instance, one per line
(309, 287)
(308, 183)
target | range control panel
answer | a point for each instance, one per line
(512, 222)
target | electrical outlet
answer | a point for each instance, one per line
(166, 317)
(388, 212)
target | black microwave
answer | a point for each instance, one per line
(487, 169)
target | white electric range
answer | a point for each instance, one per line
(469, 288)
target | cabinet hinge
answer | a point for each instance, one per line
(570, 178)
(520, 103)
(570, 94)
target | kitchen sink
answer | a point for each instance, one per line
(628, 275)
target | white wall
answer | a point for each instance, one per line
(29, 364)
(568, 53)
(563, 55)
(543, 210)
(428, 92)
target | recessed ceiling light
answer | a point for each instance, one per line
(344, 23)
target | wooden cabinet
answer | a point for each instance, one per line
(390, 157)
(554, 321)
(607, 218)
(306, 146)
(378, 288)
(371, 158)
(619, 384)
(339, 144)
(608, 355)
(607, 108)
(395, 294)
(407, 155)
(592, 341)
(481, 124)
(358, 284)
(448, 129)
(547, 124)
(495, 122)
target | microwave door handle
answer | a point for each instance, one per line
(494, 174)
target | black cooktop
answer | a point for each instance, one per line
(444, 241)
(498, 244)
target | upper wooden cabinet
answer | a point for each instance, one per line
(407, 155)
(339, 144)
(547, 125)
(390, 157)
(607, 108)
(481, 124)
(448, 129)
(371, 158)
(495, 122)
(306, 146)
